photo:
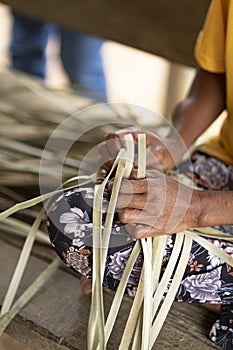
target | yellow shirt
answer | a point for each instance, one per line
(214, 53)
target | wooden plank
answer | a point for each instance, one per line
(57, 317)
(164, 27)
(7, 342)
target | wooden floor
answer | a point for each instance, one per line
(57, 317)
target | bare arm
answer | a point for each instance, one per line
(216, 208)
(204, 103)
(192, 116)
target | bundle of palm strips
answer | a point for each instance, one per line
(151, 304)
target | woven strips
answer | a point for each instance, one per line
(145, 321)
(8, 311)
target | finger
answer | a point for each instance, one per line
(127, 216)
(114, 144)
(139, 231)
(134, 186)
(105, 160)
(122, 132)
(131, 201)
(131, 186)
(136, 216)
(150, 173)
(150, 137)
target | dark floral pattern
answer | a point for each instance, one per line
(118, 262)
(210, 172)
(77, 261)
(221, 332)
(204, 286)
(207, 278)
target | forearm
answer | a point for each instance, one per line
(216, 208)
(204, 103)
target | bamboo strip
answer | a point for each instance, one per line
(120, 292)
(163, 284)
(96, 329)
(96, 322)
(138, 325)
(158, 249)
(211, 248)
(163, 312)
(137, 339)
(213, 233)
(146, 316)
(25, 228)
(133, 315)
(28, 294)
(147, 291)
(141, 156)
(31, 202)
(21, 265)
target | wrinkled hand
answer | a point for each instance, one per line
(162, 154)
(157, 206)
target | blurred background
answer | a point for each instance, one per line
(132, 76)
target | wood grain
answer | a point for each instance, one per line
(58, 314)
(163, 27)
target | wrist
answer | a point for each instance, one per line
(215, 208)
(196, 209)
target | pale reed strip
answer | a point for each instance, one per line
(147, 253)
(168, 272)
(21, 265)
(211, 248)
(111, 210)
(125, 162)
(141, 156)
(213, 233)
(116, 303)
(167, 303)
(102, 247)
(28, 294)
(128, 155)
(158, 249)
(97, 206)
(25, 228)
(136, 313)
(148, 292)
(96, 320)
(31, 202)
(133, 315)
(47, 95)
(137, 339)
(28, 203)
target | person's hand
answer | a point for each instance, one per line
(157, 205)
(162, 154)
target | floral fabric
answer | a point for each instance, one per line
(221, 332)
(207, 279)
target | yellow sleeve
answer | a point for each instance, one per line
(210, 46)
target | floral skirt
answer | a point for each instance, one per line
(207, 279)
